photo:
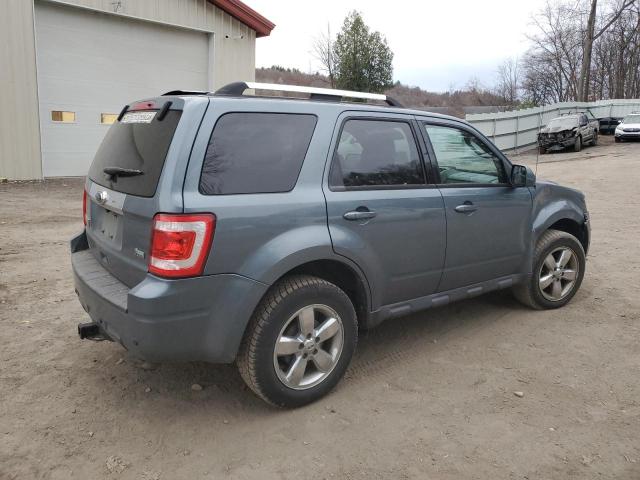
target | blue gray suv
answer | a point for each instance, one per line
(268, 231)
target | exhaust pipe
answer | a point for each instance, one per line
(90, 331)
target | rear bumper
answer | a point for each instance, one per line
(193, 319)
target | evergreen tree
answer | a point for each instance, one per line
(363, 60)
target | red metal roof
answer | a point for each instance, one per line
(246, 15)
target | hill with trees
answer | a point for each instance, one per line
(454, 102)
(579, 50)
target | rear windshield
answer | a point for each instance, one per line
(256, 153)
(139, 142)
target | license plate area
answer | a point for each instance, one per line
(108, 226)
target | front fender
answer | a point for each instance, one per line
(552, 213)
(553, 203)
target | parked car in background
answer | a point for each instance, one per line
(269, 231)
(629, 128)
(608, 125)
(568, 131)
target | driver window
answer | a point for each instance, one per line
(463, 158)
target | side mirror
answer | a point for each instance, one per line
(522, 176)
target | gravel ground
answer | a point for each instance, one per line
(428, 396)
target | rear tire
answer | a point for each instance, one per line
(557, 273)
(577, 144)
(286, 357)
(594, 142)
(542, 150)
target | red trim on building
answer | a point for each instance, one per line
(246, 15)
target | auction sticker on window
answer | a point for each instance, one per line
(138, 117)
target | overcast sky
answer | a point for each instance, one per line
(436, 44)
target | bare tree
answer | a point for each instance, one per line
(558, 42)
(591, 36)
(323, 52)
(508, 80)
(581, 47)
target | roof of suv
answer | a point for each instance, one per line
(325, 95)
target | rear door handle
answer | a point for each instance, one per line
(466, 207)
(359, 214)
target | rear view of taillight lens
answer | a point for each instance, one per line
(84, 207)
(180, 244)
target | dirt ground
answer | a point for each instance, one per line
(428, 396)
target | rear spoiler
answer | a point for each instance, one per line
(176, 93)
(161, 114)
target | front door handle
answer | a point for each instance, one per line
(466, 207)
(359, 214)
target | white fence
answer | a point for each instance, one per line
(518, 129)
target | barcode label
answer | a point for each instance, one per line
(138, 117)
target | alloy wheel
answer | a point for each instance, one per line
(558, 274)
(308, 347)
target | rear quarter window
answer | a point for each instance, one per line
(256, 153)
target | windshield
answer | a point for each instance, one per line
(633, 118)
(563, 123)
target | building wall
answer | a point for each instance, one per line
(232, 58)
(234, 42)
(19, 122)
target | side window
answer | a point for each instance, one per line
(376, 153)
(256, 153)
(463, 158)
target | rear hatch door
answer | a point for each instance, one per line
(137, 172)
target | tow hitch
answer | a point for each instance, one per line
(90, 331)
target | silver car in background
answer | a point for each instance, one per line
(629, 128)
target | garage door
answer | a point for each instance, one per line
(91, 64)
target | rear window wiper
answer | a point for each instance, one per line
(115, 172)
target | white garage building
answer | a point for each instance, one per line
(67, 67)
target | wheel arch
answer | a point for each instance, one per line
(574, 228)
(344, 275)
(568, 223)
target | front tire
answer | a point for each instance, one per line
(299, 341)
(558, 270)
(577, 144)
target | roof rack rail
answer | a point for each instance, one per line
(327, 94)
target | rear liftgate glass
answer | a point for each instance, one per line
(132, 154)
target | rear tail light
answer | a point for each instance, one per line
(180, 244)
(84, 207)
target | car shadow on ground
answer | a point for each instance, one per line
(129, 381)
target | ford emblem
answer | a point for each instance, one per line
(101, 197)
